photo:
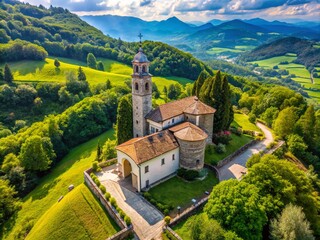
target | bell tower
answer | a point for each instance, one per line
(141, 92)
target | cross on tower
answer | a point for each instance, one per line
(140, 36)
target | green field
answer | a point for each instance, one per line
(77, 216)
(177, 192)
(45, 71)
(302, 74)
(68, 171)
(242, 120)
(236, 142)
(219, 50)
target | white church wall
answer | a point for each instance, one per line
(154, 126)
(134, 167)
(157, 170)
(173, 121)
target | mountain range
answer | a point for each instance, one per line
(197, 37)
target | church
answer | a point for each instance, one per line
(167, 138)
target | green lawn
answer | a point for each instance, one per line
(270, 62)
(211, 157)
(242, 121)
(45, 71)
(177, 192)
(77, 216)
(68, 171)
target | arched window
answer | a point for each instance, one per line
(147, 86)
(143, 69)
(137, 69)
(136, 86)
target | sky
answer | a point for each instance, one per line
(193, 10)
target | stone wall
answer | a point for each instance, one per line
(190, 152)
(126, 231)
(236, 153)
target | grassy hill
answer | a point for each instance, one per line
(302, 75)
(77, 216)
(68, 171)
(45, 71)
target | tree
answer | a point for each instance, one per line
(284, 124)
(100, 66)
(9, 162)
(56, 63)
(236, 206)
(199, 82)
(281, 182)
(81, 75)
(155, 91)
(109, 149)
(8, 76)
(226, 109)
(8, 204)
(291, 225)
(296, 145)
(165, 91)
(108, 84)
(35, 154)
(174, 91)
(91, 61)
(306, 125)
(124, 127)
(99, 151)
(1, 75)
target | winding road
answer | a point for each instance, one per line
(237, 167)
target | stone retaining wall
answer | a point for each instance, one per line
(236, 153)
(126, 231)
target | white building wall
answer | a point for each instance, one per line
(134, 166)
(172, 121)
(158, 171)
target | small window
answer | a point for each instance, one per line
(144, 69)
(137, 135)
(162, 161)
(172, 120)
(157, 130)
(198, 162)
(173, 157)
(147, 86)
(136, 86)
(146, 169)
(147, 183)
(137, 69)
(137, 122)
(152, 129)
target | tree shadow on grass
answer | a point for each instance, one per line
(33, 67)
(43, 190)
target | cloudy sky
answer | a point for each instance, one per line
(193, 10)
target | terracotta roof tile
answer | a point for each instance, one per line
(189, 105)
(146, 148)
(188, 132)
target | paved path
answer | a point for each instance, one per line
(237, 167)
(147, 221)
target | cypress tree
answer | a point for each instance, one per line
(81, 75)
(8, 77)
(226, 106)
(108, 84)
(217, 95)
(199, 82)
(100, 66)
(56, 63)
(91, 61)
(124, 127)
(204, 93)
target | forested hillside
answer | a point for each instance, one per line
(48, 28)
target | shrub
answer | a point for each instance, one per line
(107, 195)
(252, 118)
(113, 202)
(187, 174)
(167, 220)
(237, 131)
(210, 149)
(92, 175)
(166, 211)
(127, 220)
(222, 137)
(103, 189)
(96, 181)
(122, 214)
(95, 167)
(220, 148)
(147, 195)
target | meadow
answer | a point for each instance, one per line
(116, 72)
(55, 184)
(302, 75)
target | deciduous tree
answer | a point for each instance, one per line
(91, 61)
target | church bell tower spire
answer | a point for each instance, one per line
(141, 92)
